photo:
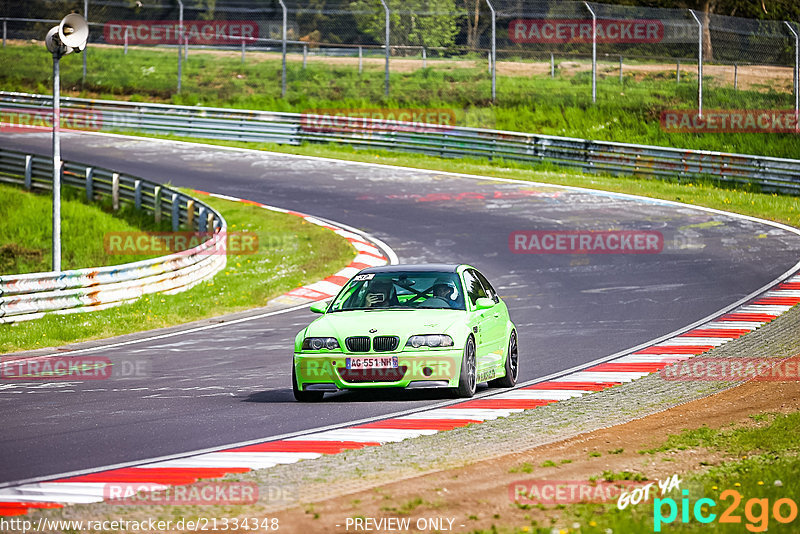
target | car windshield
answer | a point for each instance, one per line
(406, 290)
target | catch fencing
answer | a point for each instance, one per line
(30, 296)
(769, 174)
(570, 38)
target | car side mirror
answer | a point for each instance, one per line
(484, 303)
(320, 306)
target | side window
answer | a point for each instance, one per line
(490, 292)
(473, 286)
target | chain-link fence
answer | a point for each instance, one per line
(602, 43)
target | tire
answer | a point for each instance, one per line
(512, 365)
(304, 396)
(468, 377)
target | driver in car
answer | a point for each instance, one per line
(442, 294)
(379, 294)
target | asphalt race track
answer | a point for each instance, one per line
(232, 383)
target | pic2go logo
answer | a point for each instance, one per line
(756, 511)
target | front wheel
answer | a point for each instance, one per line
(512, 365)
(468, 377)
(304, 396)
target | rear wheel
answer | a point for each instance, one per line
(468, 378)
(304, 396)
(512, 365)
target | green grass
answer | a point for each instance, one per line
(291, 253)
(561, 106)
(25, 235)
(768, 468)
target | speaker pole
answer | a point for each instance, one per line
(56, 164)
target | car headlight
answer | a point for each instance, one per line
(319, 343)
(430, 340)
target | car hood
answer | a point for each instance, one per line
(401, 323)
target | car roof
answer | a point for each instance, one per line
(424, 267)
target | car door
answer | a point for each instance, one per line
(495, 321)
(485, 322)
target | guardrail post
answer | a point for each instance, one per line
(137, 194)
(360, 59)
(125, 46)
(176, 212)
(186, 48)
(28, 169)
(202, 220)
(190, 214)
(424, 58)
(243, 46)
(699, 65)
(620, 70)
(594, 51)
(735, 76)
(115, 191)
(4, 33)
(157, 203)
(210, 226)
(90, 184)
(552, 65)
(305, 55)
(283, 50)
(388, 32)
(678, 72)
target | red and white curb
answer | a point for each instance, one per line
(91, 488)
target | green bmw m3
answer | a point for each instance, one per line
(408, 326)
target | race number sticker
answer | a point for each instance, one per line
(362, 277)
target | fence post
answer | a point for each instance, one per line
(387, 42)
(552, 65)
(489, 62)
(90, 184)
(360, 58)
(243, 46)
(699, 65)
(28, 168)
(594, 51)
(125, 47)
(283, 50)
(4, 32)
(115, 191)
(137, 194)
(493, 61)
(735, 76)
(305, 55)
(186, 48)
(178, 40)
(678, 72)
(86, 17)
(796, 75)
(176, 212)
(424, 58)
(620, 70)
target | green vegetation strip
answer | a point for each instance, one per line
(290, 253)
(768, 469)
(27, 228)
(627, 112)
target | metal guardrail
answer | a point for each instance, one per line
(771, 174)
(30, 296)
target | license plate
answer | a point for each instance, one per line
(387, 362)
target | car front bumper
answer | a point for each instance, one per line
(416, 369)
